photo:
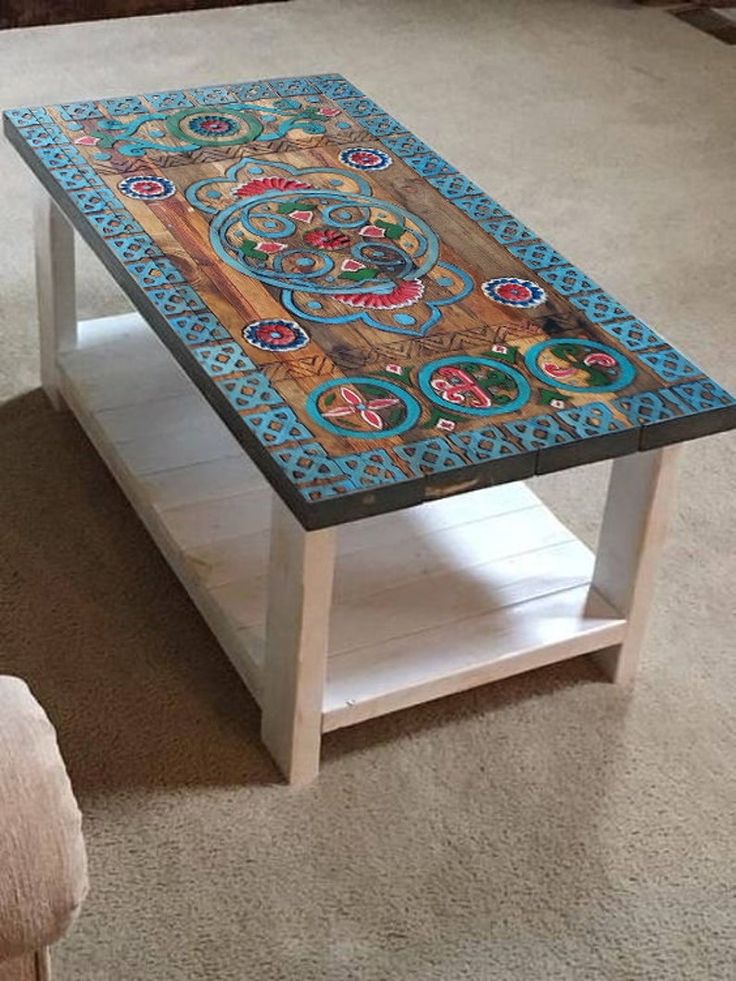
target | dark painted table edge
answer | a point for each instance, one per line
(388, 497)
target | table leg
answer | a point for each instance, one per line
(57, 315)
(635, 519)
(297, 625)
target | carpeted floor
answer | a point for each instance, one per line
(544, 829)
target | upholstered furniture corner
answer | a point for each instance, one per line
(43, 863)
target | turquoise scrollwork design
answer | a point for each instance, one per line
(337, 253)
(192, 128)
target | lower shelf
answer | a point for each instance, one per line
(427, 601)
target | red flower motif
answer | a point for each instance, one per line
(513, 291)
(351, 265)
(355, 404)
(373, 231)
(215, 125)
(270, 247)
(404, 293)
(327, 238)
(365, 158)
(557, 370)
(260, 185)
(276, 333)
(600, 358)
(146, 187)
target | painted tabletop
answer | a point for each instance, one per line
(372, 327)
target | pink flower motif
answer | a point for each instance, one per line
(500, 349)
(305, 216)
(87, 140)
(260, 185)
(557, 370)
(270, 247)
(329, 111)
(446, 424)
(351, 265)
(395, 369)
(366, 158)
(356, 404)
(403, 294)
(372, 231)
(515, 292)
(600, 358)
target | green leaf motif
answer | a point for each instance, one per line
(566, 351)
(359, 275)
(392, 230)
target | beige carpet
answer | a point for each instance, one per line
(541, 829)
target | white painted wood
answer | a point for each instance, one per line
(378, 589)
(55, 289)
(198, 482)
(128, 330)
(637, 512)
(209, 521)
(226, 562)
(43, 964)
(300, 577)
(151, 372)
(428, 600)
(172, 432)
(405, 671)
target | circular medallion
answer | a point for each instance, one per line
(514, 292)
(579, 365)
(221, 128)
(147, 187)
(293, 239)
(363, 408)
(473, 385)
(276, 335)
(365, 158)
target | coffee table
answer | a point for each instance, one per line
(333, 325)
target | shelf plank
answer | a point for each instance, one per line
(198, 482)
(151, 373)
(395, 674)
(375, 585)
(223, 562)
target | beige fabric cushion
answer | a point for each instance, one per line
(19, 969)
(43, 864)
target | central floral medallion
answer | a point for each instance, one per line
(336, 252)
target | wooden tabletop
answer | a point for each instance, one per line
(373, 328)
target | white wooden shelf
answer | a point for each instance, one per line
(427, 601)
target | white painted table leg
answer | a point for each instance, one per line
(57, 315)
(297, 626)
(637, 512)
